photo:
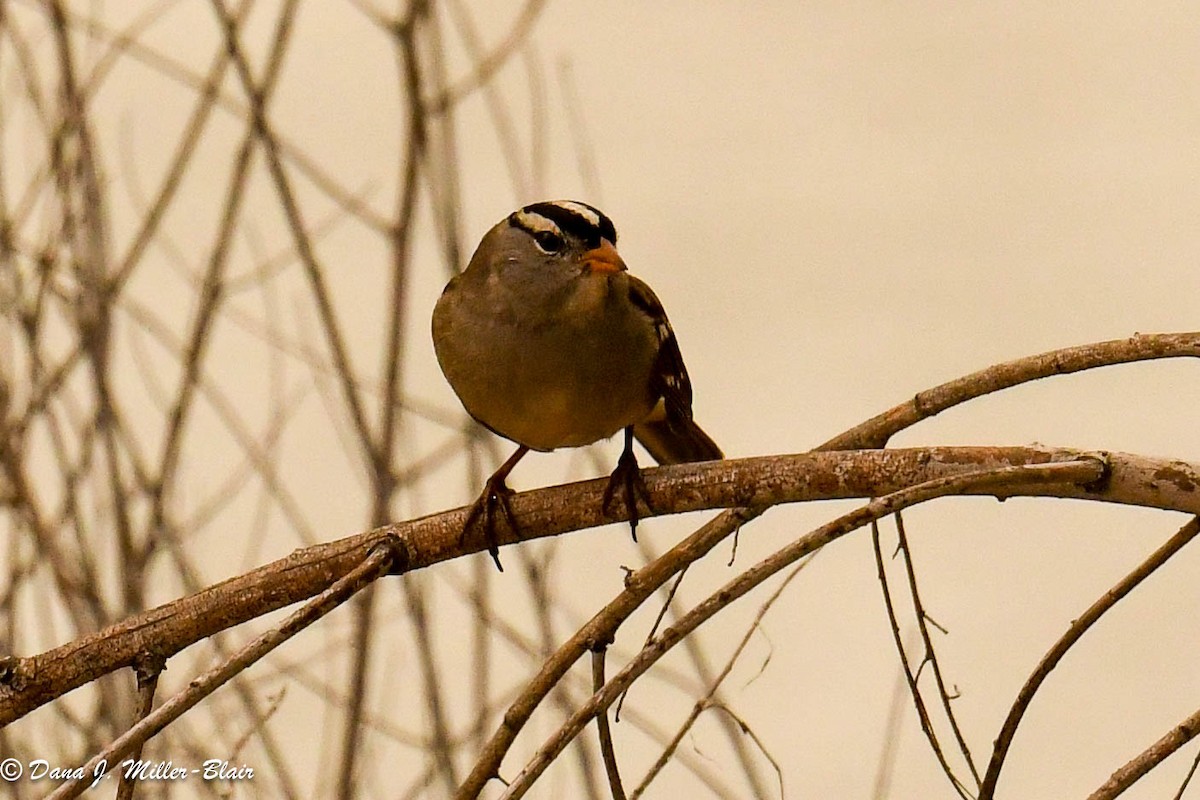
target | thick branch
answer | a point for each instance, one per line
(27, 683)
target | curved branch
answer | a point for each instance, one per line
(987, 481)
(611, 768)
(647, 580)
(1079, 627)
(27, 683)
(876, 431)
(600, 628)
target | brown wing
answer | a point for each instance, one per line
(671, 436)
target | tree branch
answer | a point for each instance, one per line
(991, 480)
(876, 431)
(1079, 627)
(387, 555)
(27, 683)
(1155, 754)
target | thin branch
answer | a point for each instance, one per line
(566, 699)
(709, 701)
(583, 146)
(1187, 779)
(389, 556)
(296, 225)
(147, 682)
(922, 619)
(762, 748)
(876, 431)
(536, 563)
(889, 755)
(181, 159)
(1076, 630)
(498, 111)
(213, 286)
(383, 451)
(602, 729)
(485, 66)
(175, 70)
(993, 479)
(911, 677)
(1154, 755)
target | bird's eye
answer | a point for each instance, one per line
(549, 241)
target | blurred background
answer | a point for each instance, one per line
(215, 349)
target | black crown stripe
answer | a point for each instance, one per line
(575, 224)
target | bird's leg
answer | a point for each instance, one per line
(628, 477)
(495, 496)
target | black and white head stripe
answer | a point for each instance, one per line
(566, 217)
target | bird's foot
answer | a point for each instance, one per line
(483, 513)
(628, 478)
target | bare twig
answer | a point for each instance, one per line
(876, 431)
(147, 682)
(930, 652)
(566, 699)
(383, 450)
(696, 653)
(606, 744)
(886, 766)
(922, 619)
(487, 65)
(1187, 779)
(389, 555)
(762, 748)
(910, 676)
(1051, 474)
(213, 284)
(1154, 755)
(708, 701)
(1080, 626)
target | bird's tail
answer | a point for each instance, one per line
(676, 441)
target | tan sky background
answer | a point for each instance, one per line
(840, 204)
(844, 203)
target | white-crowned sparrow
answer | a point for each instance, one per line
(548, 341)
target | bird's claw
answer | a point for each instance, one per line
(483, 513)
(628, 477)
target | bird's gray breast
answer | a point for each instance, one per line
(575, 372)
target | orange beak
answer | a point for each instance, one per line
(603, 259)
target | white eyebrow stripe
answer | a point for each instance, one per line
(532, 221)
(580, 210)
